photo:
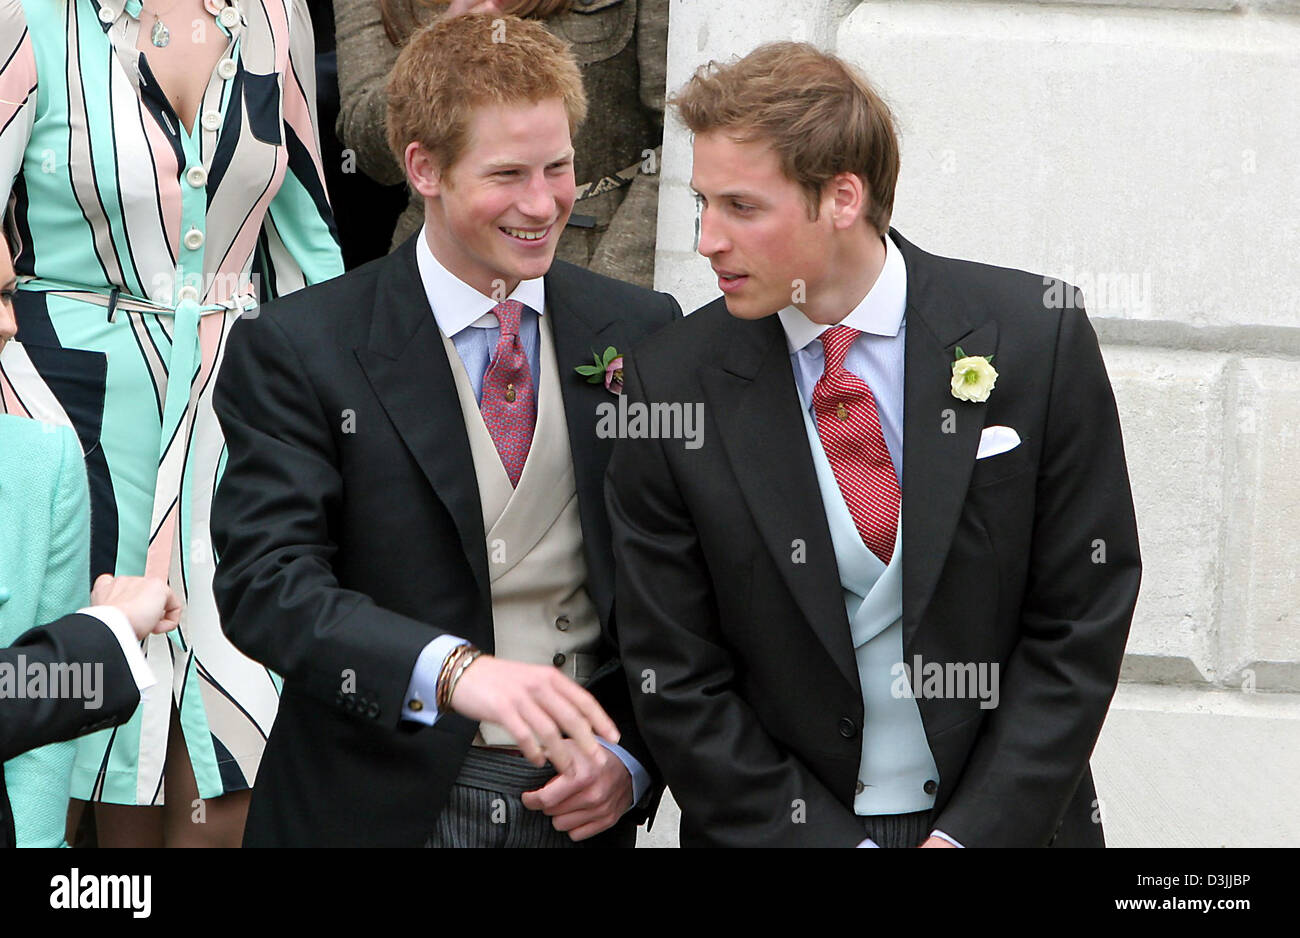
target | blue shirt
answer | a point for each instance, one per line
(876, 356)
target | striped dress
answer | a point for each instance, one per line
(137, 245)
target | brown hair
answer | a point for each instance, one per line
(537, 9)
(819, 114)
(450, 67)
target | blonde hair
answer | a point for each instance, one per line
(820, 116)
(450, 67)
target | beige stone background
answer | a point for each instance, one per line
(1149, 153)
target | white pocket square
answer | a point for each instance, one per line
(996, 440)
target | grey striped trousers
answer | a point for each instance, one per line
(484, 808)
(898, 830)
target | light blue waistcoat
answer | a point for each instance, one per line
(896, 761)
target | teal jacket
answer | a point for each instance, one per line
(44, 574)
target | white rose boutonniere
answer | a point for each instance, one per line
(973, 377)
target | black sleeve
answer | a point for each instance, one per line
(279, 599)
(79, 642)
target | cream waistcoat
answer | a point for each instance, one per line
(541, 613)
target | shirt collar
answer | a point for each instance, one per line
(880, 312)
(456, 305)
(135, 7)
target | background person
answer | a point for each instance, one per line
(158, 181)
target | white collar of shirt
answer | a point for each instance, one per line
(456, 305)
(880, 312)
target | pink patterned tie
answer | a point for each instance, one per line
(509, 405)
(849, 428)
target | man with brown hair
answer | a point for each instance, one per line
(887, 605)
(410, 526)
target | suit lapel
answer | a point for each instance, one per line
(940, 433)
(581, 325)
(407, 367)
(755, 404)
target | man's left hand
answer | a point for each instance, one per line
(588, 799)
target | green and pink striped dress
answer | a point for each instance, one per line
(137, 245)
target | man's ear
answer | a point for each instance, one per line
(422, 171)
(849, 197)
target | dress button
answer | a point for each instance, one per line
(930, 786)
(187, 295)
(562, 623)
(106, 15)
(415, 705)
(197, 177)
(194, 239)
(229, 17)
(210, 120)
(226, 68)
(4, 595)
(848, 729)
(558, 660)
(859, 788)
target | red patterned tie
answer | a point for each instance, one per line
(508, 404)
(855, 446)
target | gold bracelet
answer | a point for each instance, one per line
(466, 660)
(444, 675)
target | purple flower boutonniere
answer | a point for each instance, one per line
(607, 367)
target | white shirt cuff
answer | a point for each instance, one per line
(869, 843)
(120, 626)
(944, 836)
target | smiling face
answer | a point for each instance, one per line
(754, 226)
(496, 215)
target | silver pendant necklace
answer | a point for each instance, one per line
(160, 35)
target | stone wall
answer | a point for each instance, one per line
(1149, 153)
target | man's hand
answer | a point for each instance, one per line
(148, 604)
(938, 842)
(457, 7)
(587, 800)
(534, 703)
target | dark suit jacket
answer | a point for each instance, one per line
(26, 723)
(350, 535)
(757, 706)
